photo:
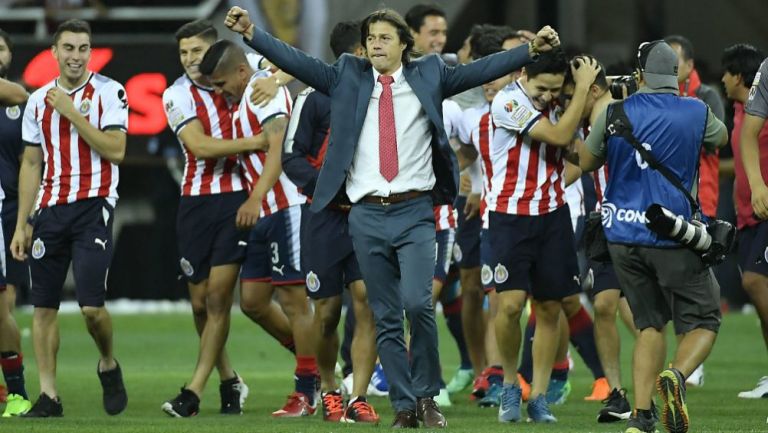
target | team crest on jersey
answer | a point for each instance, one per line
(457, 255)
(13, 113)
(186, 267)
(486, 275)
(38, 249)
(313, 282)
(85, 106)
(519, 114)
(500, 274)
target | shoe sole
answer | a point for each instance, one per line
(750, 395)
(168, 409)
(674, 415)
(608, 417)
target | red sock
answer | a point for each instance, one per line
(306, 365)
(11, 361)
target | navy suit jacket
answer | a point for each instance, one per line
(349, 83)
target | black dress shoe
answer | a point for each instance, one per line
(405, 419)
(429, 413)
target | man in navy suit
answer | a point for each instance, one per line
(389, 150)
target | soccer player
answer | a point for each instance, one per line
(13, 273)
(74, 129)
(328, 259)
(273, 210)
(529, 222)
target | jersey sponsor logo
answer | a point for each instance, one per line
(519, 114)
(609, 213)
(13, 113)
(757, 79)
(313, 282)
(500, 274)
(752, 92)
(457, 255)
(486, 275)
(85, 106)
(186, 267)
(38, 249)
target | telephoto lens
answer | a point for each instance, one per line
(691, 234)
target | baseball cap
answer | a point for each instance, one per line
(658, 62)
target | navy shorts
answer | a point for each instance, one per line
(536, 254)
(753, 249)
(16, 272)
(603, 277)
(274, 249)
(486, 259)
(207, 235)
(80, 233)
(444, 240)
(466, 250)
(328, 258)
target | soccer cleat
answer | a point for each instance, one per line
(114, 397)
(460, 381)
(379, 385)
(360, 411)
(492, 396)
(511, 399)
(538, 410)
(638, 424)
(347, 385)
(616, 407)
(184, 405)
(558, 391)
(600, 390)
(16, 405)
(45, 407)
(524, 386)
(233, 393)
(760, 391)
(333, 406)
(443, 399)
(480, 386)
(696, 379)
(296, 406)
(671, 387)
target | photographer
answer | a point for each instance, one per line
(662, 280)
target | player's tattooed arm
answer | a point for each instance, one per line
(11, 93)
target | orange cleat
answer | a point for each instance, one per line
(360, 411)
(333, 406)
(296, 406)
(525, 386)
(600, 390)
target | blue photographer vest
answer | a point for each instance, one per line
(672, 129)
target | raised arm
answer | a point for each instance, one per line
(305, 68)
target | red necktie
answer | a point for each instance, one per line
(388, 164)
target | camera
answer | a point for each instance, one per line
(713, 242)
(621, 82)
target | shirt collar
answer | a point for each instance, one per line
(395, 75)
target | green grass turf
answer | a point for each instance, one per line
(158, 353)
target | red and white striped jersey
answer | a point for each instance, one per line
(184, 102)
(477, 130)
(445, 217)
(248, 119)
(528, 175)
(73, 171)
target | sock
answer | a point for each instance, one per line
(644, 413)
(582, 336)
(346, 344)
(526, 361)
(495, 375)
(306, 376)
(356, 399)
(13, 371)
(452, 313)
(290, 345)
(560, 370)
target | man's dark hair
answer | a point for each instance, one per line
(484, 38)
(601, 80)
(203, 29)
(74, 26)
(415, 15)
(550, 62)
(685, 45)
(223, 56)
(345, 37)
(7, 38)
(393, 18)
(744, 60)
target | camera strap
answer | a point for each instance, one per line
(618, 125)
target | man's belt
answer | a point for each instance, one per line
(392, 198)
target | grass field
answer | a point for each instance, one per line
(158, 352)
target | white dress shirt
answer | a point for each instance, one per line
(414, 150)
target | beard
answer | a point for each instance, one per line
(3, 71)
